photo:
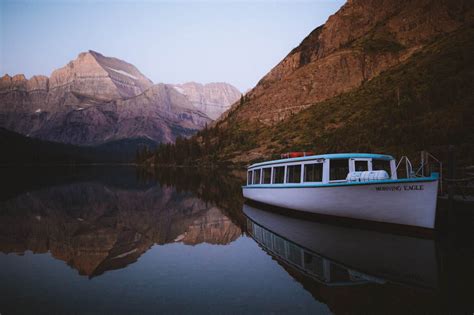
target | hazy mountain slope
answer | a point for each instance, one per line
(160, 114)
(212, 99)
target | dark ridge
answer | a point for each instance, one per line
(21, 150)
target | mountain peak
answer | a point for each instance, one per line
(88, 52)
(97, 76)
(17, 82)
(93, 52)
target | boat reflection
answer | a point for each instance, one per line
(353, 270)
(317, 267)
(342, 256)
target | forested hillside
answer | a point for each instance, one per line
(426, 102)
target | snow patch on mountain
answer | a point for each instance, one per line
(180, 90)
(123, 73)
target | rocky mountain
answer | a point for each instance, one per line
(102, 78)
(212, 99)
(96, 99)
(378, 76)
(361, 40)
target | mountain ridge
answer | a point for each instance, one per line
(94, 99)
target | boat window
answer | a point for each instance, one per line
(293, 174)
(256, 176)
(314, 264)
(361, 166)
(313, 172)
(278, 175)
(381, 165)
(294, 254)
(338, 169)
(249, 177)
(267, 175)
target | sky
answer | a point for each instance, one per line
(168, 41)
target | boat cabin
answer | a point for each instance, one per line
(323, 169)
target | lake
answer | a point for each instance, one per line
(123, 240)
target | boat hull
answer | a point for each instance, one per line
(406, 203)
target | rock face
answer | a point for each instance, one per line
(160, 114)
(212, 99)
(364, 38)
(95, 99)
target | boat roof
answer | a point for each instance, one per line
(325, 156)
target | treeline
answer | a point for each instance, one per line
(185, 151)
(22, 150)
(182, 152)
(208, 147)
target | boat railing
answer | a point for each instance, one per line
(408, 166)
(427, 165)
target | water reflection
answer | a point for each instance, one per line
(97, 226)
(370, 271)
(315, 266)
(322, 249)
(150, 242)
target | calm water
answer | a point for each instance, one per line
(117, 240)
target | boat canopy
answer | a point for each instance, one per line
(325, 156)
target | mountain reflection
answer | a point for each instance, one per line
(95, 225)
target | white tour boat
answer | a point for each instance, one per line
(353, 185)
